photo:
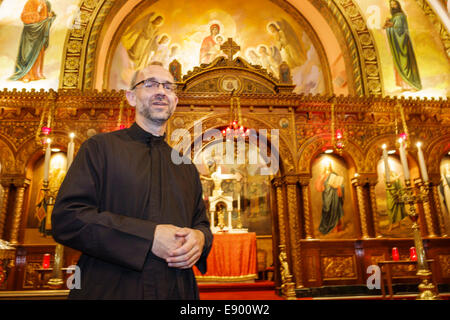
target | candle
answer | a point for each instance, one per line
(412, 254)
(395, 254)
(46, 261)
(423, 167)
(212, 221)
(386, 163)
(48, 153)
(70, 150)
(404, 160)
(229, 221)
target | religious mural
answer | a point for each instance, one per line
(332, 199)
(194, 32)
(392, 219)
(33, 34)
(244, 184)
(406, 71)
(412, 55)
(32, 37)
(444, 190)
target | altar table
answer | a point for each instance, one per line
(386, 274)
(232, 259)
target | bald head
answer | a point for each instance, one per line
(148, 72)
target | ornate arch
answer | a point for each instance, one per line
(30, 151)
(315, 145)
(78, 61)
(349, 26)
(6, 155)
(287, 156)
(435, 151)
(374, 152)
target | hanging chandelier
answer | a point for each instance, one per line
(404, 134)
(235, 129)
(337, 135)
(44, 130)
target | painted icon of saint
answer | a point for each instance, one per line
(395, 210)
(444, 188)
(405, 65)
(37, 17)
(208, 47)
(332, 187)
(141, 39)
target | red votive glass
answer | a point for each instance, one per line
(46, 261)
(412, 254)
(395, 254)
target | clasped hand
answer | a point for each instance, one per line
(180, 247)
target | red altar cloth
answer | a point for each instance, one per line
(232, 258)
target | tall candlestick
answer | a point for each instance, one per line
(48, 153)
(212, 221)
(70, 151)
(386, 163)
(404, 160)
(423, 167)
(229, 221)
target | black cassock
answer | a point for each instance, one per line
(120, 186)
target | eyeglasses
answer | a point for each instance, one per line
(153, 84)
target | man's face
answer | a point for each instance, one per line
(153, 104)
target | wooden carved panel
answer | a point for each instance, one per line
(30, 279)
(338, 267)
(444, 264)
(311, 268)
(374, 259)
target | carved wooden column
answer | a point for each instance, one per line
(278, 184)
(373, 205)
(4, 206)
(434, 196)
(287, 285)
(21, 184)
(358, 183)
(307, 215)
(294, 229)
(426, 208)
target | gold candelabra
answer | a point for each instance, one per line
(410, 196)
(50, 188)
(56, 280)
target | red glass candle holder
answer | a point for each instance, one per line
(395, 254)
(46, 261)
(412, 254)
(46, 130)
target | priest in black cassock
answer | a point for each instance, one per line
(137, 217)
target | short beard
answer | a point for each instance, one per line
(147, 113)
